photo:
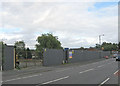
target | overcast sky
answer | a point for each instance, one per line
(77, 24)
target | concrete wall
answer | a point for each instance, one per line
(53, 57)
(8, 58)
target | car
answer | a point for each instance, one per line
(114, 55)
(118, 58)
(106, 57)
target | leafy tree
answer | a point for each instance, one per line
(108, 46)
(20, 45)
(28, 54)
(82, 48)
(48, 41)
(97, 46)
(20, 49)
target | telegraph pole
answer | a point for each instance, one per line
(100, 39)
(100, 44)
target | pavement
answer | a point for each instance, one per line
(97, 72)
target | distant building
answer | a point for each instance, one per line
(92, 49)
(89, 49)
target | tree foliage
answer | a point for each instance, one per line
(108, 46)
(29, 54)
(20, 45)
(20, 49)
(48, 41)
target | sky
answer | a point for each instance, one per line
(77, 24)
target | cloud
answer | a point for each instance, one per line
(73, 23)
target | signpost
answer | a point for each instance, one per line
(70, 54)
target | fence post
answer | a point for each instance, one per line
(26, 59)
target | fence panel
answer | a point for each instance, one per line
(8, 57)
(1, 54)
(81, 55)
(105, 53)
(53, 57)
(29, 58)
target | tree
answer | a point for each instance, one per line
(82, 48)
(108, 46)
(48, 41)
(20, 49)
(28, 54)
(97, 46)
(20, 45)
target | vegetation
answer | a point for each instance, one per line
(20, 45)
(28, 54)
(20, 49)
(48, 41)
(107, 46)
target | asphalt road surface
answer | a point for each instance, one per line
(102, 72)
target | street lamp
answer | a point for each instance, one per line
(100, 45)
(100, 39)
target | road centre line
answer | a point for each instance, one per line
(104, 82)
(54, 80)
(86, 70)
(21, 78)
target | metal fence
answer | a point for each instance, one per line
(59, 56)
(1, 55)
(8, 58)
(28, 59)
(53, 57)
(80, 55)
(50, 57)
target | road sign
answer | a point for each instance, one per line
(70, 54)
(66, 49)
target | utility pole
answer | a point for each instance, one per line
(100, 44)
(100, 39)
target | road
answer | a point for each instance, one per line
(100, 73)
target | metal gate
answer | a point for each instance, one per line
(28, 58)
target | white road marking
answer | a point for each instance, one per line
(104, 81)
(22, 74)
(55, 80)
(21, 78)
(116, 72)
(100, 66)
(86, 70)
(96, 62)
(63, 70)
